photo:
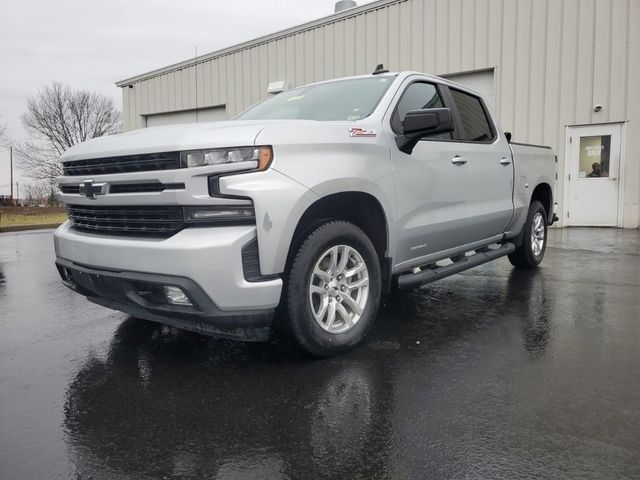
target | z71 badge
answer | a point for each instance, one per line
(362, 132)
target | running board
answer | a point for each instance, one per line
(428, 275)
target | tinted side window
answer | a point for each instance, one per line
(473, 117)
(417, 96)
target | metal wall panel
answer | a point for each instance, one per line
(209, 114)
(631, 205)
(553, 61)
(551, 113)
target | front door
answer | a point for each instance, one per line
(593, 156)
(431, 185)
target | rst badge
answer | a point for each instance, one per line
(362, 132)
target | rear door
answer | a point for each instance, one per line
(431, 184)
(490, 167)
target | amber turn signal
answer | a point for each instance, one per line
(265, 156)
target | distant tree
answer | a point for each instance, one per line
(5, 141)
(58, 118)
(36, 193)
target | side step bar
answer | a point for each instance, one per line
(428, 275)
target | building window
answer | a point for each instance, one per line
(594, 156)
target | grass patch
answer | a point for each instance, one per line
(16, 219)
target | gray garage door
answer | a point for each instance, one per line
(481, 81)
(212, 114)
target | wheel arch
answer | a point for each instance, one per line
(360, 208)
(544, 194)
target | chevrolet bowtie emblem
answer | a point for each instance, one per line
(90, 189)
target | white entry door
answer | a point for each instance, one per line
(593, 156)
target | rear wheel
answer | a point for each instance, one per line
(534, 239)
(333, 289)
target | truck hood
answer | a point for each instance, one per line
(171, 138)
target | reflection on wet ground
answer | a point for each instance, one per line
(494, 373)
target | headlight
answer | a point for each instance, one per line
(255, 157)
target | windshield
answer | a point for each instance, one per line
(341, 100)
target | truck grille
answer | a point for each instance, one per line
(74, 189)
(144, 187)
(128, 163)
(136, 221)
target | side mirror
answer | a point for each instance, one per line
(508, 136)
(418, 123)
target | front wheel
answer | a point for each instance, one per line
(534, 239)
(333, 289)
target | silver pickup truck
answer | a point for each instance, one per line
(312, 204)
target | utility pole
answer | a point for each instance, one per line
(17, 193)
(11, 168)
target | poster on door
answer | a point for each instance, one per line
(594, 156)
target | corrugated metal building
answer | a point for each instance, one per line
(565, 73)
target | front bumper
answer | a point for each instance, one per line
(206, 263)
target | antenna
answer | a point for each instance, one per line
(380, 69)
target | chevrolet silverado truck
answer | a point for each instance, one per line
(313, 204)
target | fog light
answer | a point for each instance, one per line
(175, 296)
(220, 214)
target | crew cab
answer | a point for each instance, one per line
(304, 210)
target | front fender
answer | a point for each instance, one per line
(304, 170)
(279, 204)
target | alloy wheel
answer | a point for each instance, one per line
(339, 289)
(537, 234)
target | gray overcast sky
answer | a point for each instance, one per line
(91, 44)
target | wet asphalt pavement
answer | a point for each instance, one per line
(493, 373)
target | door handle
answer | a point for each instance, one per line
(458, 160)
(505, 161)
(613, 179)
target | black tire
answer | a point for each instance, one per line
(300, 322)
(524, 256)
